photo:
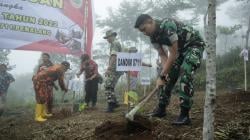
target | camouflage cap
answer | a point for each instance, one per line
(110, 33)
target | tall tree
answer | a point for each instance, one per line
(122, 20)
(209, 107)
(227, 32)
(4, 56)
(166, 8)
(241, 12)
(200, 8)
(101, 56)
(247, 34)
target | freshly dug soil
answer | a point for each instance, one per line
(140, 128)
(232, 122)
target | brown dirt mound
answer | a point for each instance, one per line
(232, 122)
(140, 128)
(62, 113)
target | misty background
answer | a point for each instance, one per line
(120, 15)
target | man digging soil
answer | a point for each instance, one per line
(185, 47)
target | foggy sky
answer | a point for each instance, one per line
(25, 61)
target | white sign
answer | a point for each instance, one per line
(244, 53)
(145, 81)
(129, 61)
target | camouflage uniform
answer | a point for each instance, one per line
(112, 79)
(5, 80)
(190, 48)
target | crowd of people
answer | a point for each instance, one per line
(180, 49)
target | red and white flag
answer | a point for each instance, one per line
(59, 26)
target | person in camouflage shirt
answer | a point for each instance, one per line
(5, 80)
(185, 47)
(112, 76)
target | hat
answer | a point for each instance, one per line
(132, 50)
(66, 64)
(110, 33)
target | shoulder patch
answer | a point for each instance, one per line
(168, 24)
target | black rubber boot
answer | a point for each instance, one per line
(1, 112)
(93, 104)
(183, 118)
(110, 98)
(116, 103)
(87, 104)
(110, 107)
(159, 112)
